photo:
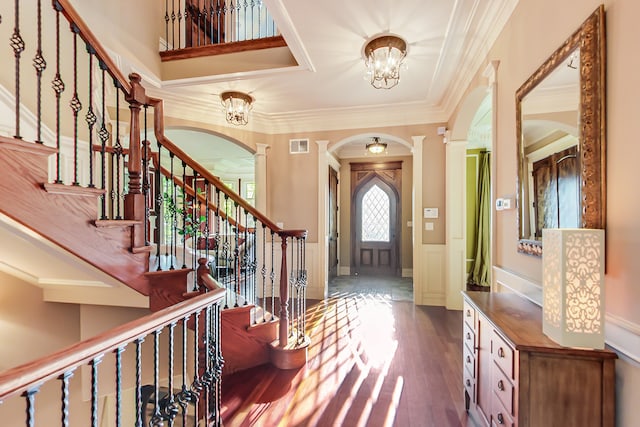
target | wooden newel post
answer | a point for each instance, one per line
(284, 297)
(134, 199)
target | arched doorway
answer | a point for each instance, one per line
(375, 220)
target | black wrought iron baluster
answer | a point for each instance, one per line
(220, 23)
(75, 103)
(245, 18)
(94, 390)
(145, 179)
(205, 231)
(118, 353)
(169, 405)
(64, 392)
(272, 275)
(173, 25)
(236, 255)
(180, 15)
(263, 271)
(40, 65)
(103, 134)
(116, 192)
(139, 407)
(194, 214)
(207, 377)
(196, 385)
(292, 298)
(184, 214)
(184, 396)
(174, 218)
(230, 9)
(17, 43)
(212, 12)
(90, 117)
(166, 24)
(160, 214)
(30, 396)
(216, 260)
(199, 25)
(259, 18)
(156, 418)
(218, 363)
(244, 263)
(204, 13)
(58, 87)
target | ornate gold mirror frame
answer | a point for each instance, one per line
(590, 40)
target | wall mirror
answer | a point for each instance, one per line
(560, 124)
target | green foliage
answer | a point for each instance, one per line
(183, 208)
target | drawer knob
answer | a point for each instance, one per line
(500, 385)
(468, 336)
(468, 313)
(501, 352)
(468, 383)
(500, 418)
(468, 359)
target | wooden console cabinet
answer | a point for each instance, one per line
(515, 376)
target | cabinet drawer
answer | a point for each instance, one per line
(469, 336)
(469, 314)
(469, 384)
(502, 354)
(499, 415)
(503, 389)
(469, 361)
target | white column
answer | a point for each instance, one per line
(416, 220)
(491, 73)
(261, 177)
(323, 220)
(456, 228)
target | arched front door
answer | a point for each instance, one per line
(375, 228)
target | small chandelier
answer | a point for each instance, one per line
(376, 147)
(383, 58)
(237, 106)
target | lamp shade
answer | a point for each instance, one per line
(573, 286)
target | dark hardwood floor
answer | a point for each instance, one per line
(372, 362)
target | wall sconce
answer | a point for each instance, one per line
(573, 286)
(237, 106)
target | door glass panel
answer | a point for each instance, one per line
(375, 215)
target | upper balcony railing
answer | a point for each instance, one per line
(198, 23)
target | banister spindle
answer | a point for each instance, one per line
(104, 135)
(206, 230)
(180, 15)
(166, 24)
(284, 296)
(118, 354)
(94, 390)
(40, 64)
(169, 405)
(139, 407)
(58, 87)
(156, 419)
(17, 43)
(159, 204)
(118, 153)
(263, 271)
(196, 386)
(145, 179)
(64, 391)
(173, 229)
(90, 117)
(184, 214)
(272, 274)
(75, 104)
(30, 398)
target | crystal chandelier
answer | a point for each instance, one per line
(383, 58)
(237, 106)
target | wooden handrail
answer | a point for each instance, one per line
(157, 105)
(29, 374)
(87, 35)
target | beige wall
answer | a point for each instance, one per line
(535, 30)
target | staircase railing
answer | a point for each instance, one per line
(162, 390)
(198, 216)
(198, 23)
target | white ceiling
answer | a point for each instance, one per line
(447, 42)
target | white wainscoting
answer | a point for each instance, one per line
(620, 334)
(430, 289)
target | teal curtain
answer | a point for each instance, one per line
(479, 274)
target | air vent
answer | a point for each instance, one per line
(297, 146)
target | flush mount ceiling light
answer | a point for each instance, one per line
(237, 106)
(383, 58)
(376, 147)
